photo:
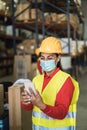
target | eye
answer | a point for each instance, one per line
(49, 58)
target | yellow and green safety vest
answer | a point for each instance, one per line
(40, 120)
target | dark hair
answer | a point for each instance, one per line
(59, 63)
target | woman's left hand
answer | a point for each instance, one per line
(37, 100)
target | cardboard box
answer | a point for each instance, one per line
(54, 17)
(29, 14)
(25, 15)
(74, 19)
(33, 14)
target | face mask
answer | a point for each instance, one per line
(48, 65)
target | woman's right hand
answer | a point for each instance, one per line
(25, 98)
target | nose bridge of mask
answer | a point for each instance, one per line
(48, 65)
(47, 61)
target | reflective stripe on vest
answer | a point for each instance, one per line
(41, 119)
(50, 92)
(42, 128)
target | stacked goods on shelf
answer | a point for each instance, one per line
(29, 14)
(66, 57)
(2, 58)
(62, 18)
(65, 46)
(74, 50)
(47, 18)
(6, 65)
(78, 2)
(22, 66)
(80, 46)
(18, 119)
(9, 30)
(80, 30)
(5, 7)
(33, 14)
(2, 7)
(2, 28)
(54, 17)
(77, 47)
(2, 47)
(1, 100)
(6, 60)
(28, 46)
(55, 1)
(25, 14)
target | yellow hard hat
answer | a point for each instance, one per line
(50, 45)
(37, 51)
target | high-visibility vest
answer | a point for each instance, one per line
(40, 120)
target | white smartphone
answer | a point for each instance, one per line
(28, 85)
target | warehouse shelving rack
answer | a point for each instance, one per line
(71, 31)
(63, 6)
(67, 30)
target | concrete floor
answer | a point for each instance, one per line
(82, 103)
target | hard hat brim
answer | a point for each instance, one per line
(37, 51)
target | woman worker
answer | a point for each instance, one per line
(54, 103)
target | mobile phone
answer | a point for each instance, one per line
(28, 85)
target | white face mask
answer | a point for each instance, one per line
(48, 65)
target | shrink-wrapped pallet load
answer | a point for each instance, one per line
(22, 66)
